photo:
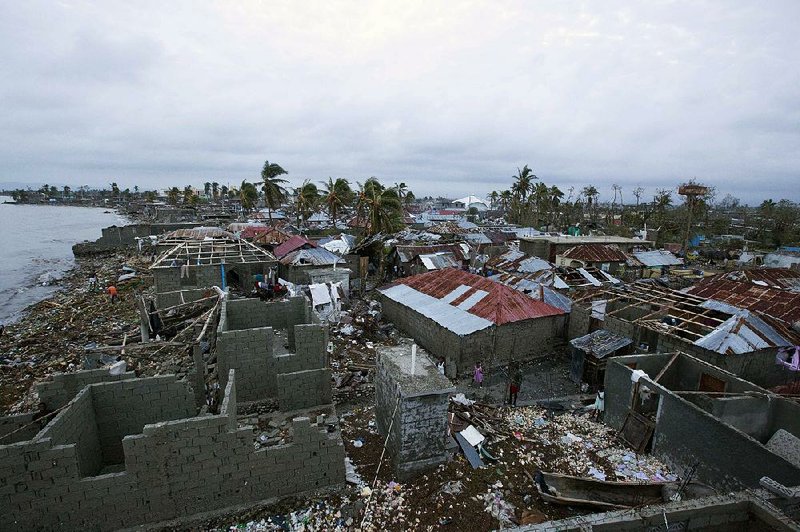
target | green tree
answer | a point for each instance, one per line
(66, 191)
(114, 190)
(207, 188)
(307, 196)
(380, 207)
(187, 194)
(248, 195)
(336, 195)
(223, 191)
(215, 190)
(172, 196)
(274, 192)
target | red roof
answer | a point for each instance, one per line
(294, 243)
(775, 302)
(502, 304)
(596, 253)
(252, 231)
(773, 277)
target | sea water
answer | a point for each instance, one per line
(36, 249)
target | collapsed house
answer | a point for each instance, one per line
(606, 257)
(116, 238)
(659, 319)
(699, 418)
(465, 318)
(131, 451)
(403, 259)
(198, 264)
(590, 355)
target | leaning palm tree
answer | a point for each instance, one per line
(172, 195)
(384, 210)
(336, 195)
(274, 193)
(248, 195)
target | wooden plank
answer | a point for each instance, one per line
(666, 367)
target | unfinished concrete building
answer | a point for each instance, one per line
(136, 451)
(277, 350)
(697, 417)
(662, 320)
(411, 399)
(466, 318)
(121, 237)
(205, 263)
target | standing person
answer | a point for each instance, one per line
(112, 291)
(516, 384)
(93, 281)
(440, 366)
(477, 376)
(599, 403)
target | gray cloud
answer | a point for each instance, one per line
(449, 97)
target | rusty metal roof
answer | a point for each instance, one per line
(596, 253)
(294, 243)
(769, 277)
(408, 253)
(774, 302)
(477, 296)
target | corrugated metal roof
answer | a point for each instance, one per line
(600, 343)
(437, 261)
(199, 233)
(782, 259)
(500, 304)
(312, 256)
(596, 253)
(772, 277)
(477, 238)
(517, 261)
(295, 242)
(742, 333)
(775, 302)
(660, 257)
(452, 318)
(407, 253)
(534, 290)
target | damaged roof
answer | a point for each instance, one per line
(776, 302)
(295, 242)
(535, 290)
(596, 253)
(517, 261)
(437, 261)
(769, 277)
(659, 257)
(311, 257)
(407, 253)
(465, 296)
(600, 343)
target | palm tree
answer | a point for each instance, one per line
(172, 196)
(207, 188)
(114, 190)
(307, 197)
(187, 194)
(215, 190)
(506, 197)
(223, 190)
(66, 191)
(382, 207)
(591, 194)
(493, 196)
(554, 196)
(336, 195)
(274, 193)
(248, 195)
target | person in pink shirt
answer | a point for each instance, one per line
(477, 376)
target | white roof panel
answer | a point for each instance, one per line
(451, 318)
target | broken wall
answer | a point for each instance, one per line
(687, 435)
(62, 387)
(173, 469)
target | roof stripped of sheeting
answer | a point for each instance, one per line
(471, 295)
(600, 343)
(198, 233)
(217, 251)
(714, 325)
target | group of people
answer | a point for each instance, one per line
(514, 380)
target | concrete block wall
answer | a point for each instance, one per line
(18, 427)
(252, 313)
(77, 425)
(126, 407)
(579, 320)
(172, 470)
(304, 389)
(60, 390)
(414, 419)
(249, 352)
(329, 275)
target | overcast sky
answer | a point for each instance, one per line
(449, 97)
